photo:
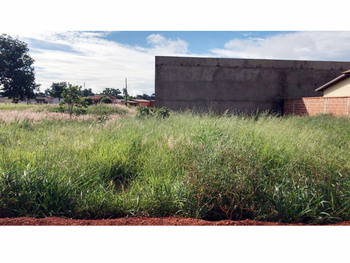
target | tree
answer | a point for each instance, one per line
(144, 96)
(86, 101)
(105, 100)
(56, 89)
(71, 96)
(87, 93)
(113, 92)
(17, 76)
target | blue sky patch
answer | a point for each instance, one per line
(45, 45)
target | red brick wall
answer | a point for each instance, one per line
(144, 103)
(337, 106)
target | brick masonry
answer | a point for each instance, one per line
(336, 106)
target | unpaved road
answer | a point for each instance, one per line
(137, 221)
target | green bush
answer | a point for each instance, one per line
(163, 112)
(105, 100)
(153, 112)
(86, 101)
(79, 110)
(60, 109)
(144, 112)
(101, 110)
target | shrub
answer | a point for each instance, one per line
(105, 100)
(143, 112)
(153, 112)
(79, 110)
(86, 101)
(71, 97)
(100, 110)
(59, 109)
(163, 112)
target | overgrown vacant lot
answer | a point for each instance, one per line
(290, 169)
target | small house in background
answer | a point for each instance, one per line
(138, 102)
(143, 103)
(42, 100)
(130, 103)
(52, 100)
(335, 100)
(55, 101)
(338, 87)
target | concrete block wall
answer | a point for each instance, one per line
(239, 85)
(336, 106)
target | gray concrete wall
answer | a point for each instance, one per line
(244, 85)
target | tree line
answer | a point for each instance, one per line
(56, 90)
(17, 76)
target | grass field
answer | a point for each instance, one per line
(101, 165)
(17, 107)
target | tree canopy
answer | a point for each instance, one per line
(87, 92)
(71, 96)
(56, 89)
(105, 100)
(17, 76)
(113, 92)
(143, 96)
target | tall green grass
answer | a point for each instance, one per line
(100, 109)
(288, 169)
(18, 106)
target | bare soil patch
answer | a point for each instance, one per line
(138, 221)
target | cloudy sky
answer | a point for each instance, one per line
(103, 59)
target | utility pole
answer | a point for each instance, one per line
(126, 91)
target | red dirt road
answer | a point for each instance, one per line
(137, 221)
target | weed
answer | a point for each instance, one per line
(288, 169)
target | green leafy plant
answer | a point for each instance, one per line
(153, 112)
(86, 101)
(105, 100)
(17, 75)
(71, 97)
(163, 112)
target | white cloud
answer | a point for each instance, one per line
(90, 57)
(299, 45)
(155, 39)
(164, 46)
(87, 57)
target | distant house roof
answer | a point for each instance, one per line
(141, 100)
(129, 101)
(343, 76)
